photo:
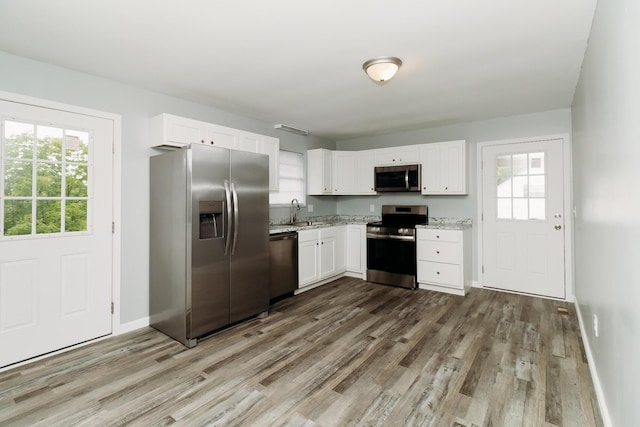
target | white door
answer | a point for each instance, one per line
(523, 227)
(56, 237)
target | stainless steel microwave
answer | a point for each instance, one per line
(398, 178)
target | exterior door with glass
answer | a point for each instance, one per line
(522, 218)
(56, 237)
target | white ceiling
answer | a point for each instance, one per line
(300, 62)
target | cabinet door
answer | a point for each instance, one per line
(221, 136)
(182, 130)
(403, 155)
(365, 181)
(452, 163)
(271, 147)
(340, 248)
(319, 172)
(354, 246)
(344, 172)
(250, 142)
(328, 265)
(307, 257)
(430, 160)
(409, 154)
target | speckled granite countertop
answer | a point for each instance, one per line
(447, 224)
(281, 226)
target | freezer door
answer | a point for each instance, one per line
(249, 273)
(209, 225)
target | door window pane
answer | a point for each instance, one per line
(17, 217)
(75, 215)
(18, 140)
(49, 180)
(49, 143)
(47, 216)
(521, 186)
(18, 178)
(58, 160)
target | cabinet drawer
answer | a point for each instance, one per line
(435, 272)
(448, 252)
(439, 235)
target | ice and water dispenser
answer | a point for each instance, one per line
(211, 219)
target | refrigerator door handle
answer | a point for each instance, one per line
(236, 221)
(227, 193)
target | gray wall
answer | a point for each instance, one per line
(136, 106)
(521, 126)
(606, 151)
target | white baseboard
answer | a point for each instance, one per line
(131, 326)
(604, 411)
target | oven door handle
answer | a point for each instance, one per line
(390, 237)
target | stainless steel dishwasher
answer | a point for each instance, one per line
(284, 265)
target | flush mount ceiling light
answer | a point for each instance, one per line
(382, 69)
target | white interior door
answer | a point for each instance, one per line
(523, 227)
(56, 238)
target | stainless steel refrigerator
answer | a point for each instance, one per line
(209, 240)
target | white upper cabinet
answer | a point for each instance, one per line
(407, 154)
(444, 168)
(173, 132)
(169, 131)
(365, 180)
(351, 172)
(319, 172)
(220, 136)
(344, 172)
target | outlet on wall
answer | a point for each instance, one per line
(309, 208)
(372, 208)
(595, 325)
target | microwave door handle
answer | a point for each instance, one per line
(227, 193)
(236, 222)
(406, 179)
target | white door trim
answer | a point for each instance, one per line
(117, 185)
(567, 196)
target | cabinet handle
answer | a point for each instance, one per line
(446, 188)
(437, 237)
(437, 272)
(437, 252)
(322, 243)
(202, 141)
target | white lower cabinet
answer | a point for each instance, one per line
(321, 254)
(444, 260)
(356, 250)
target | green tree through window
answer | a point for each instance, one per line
(45, 179)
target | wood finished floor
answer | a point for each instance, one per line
(348, 353)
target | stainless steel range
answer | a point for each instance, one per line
(391, 245)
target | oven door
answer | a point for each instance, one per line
(391, 260)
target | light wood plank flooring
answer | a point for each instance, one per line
(348, 353)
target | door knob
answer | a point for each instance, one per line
(557, 227)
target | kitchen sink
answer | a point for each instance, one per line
(306, 223)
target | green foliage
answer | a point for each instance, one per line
(52, 182)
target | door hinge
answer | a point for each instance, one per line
(483, 269)
(113, 147)
(112, 307)
(113, 227)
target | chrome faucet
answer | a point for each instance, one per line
(292, 210)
